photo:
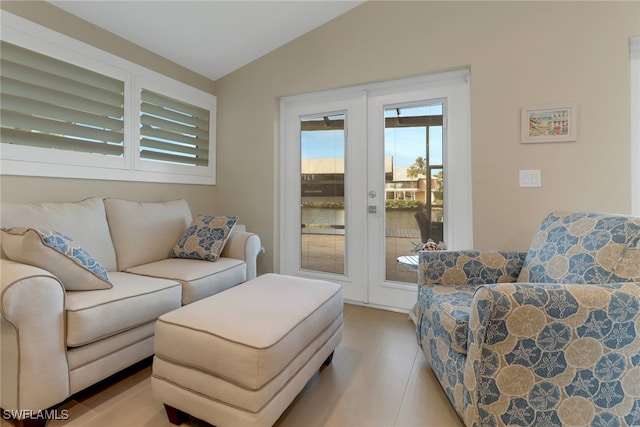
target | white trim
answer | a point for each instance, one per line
(292, 109)
(32, 161)
(453, 89)
(634, 53)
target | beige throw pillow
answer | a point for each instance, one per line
(58, 254)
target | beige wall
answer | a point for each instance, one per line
(26, 189)
(519, 53)
(30, 189)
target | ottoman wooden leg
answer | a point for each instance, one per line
(176, 416)
(327, 362)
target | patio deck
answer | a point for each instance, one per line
(325, 252)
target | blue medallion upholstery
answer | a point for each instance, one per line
(545, 337)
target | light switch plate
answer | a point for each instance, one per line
(530, 178)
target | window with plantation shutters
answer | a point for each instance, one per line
(71, 110)
(53, 104)
(173, 131)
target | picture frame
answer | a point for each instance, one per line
(549, 123)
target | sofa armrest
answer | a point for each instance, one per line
(35, 372)
(570, 351)
(245, 246)
(469, 267)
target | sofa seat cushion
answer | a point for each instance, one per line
(81, 357)
(199, 279)
(132, 301)
(447, 308)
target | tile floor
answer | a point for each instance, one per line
(378, 378)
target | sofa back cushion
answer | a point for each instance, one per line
(144, 232)
(85, 222)
(584, 247)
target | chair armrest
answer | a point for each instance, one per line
(567, 348)
(35, 372)
(469, 267)
(245, 246)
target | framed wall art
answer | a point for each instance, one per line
(549, 123)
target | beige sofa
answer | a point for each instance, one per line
(57, 341)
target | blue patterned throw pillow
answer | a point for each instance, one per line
(205, 238)
(58, 254)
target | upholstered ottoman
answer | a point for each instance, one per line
(240, 357)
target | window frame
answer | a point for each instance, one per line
(44, 162)
(634, 59)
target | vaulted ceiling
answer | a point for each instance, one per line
(210, 37)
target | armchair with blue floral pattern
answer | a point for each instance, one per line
(545, 337)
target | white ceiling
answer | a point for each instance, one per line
(210, 37)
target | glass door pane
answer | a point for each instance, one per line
(413, 174)
(322, 184)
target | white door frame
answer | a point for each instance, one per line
(362, 264)
(634, 55)
(452, 89)
(293, 109)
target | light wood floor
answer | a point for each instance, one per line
(378, 378)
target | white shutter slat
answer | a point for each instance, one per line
(44, 109)
(172, 158)
(173, 131)
(178, 117)
(173, 127)
(42, 140)
(173, 104)
(184, 149)
(160, 134)
(10, 119)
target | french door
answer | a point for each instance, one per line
(368, 173)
